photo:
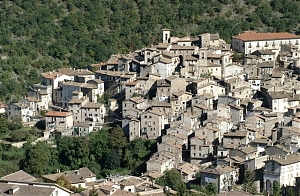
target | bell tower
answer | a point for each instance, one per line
(165, 34)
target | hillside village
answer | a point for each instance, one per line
(215, 108)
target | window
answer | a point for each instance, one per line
(200, 148)
(145, 122)
(145, 116)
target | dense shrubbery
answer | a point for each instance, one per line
(104, 152)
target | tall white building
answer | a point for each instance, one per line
(283, 169)
(251, 41)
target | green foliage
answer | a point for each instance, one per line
(211, 188)
(197, 187)
(249, 186)
(290, 191)
(93, 192)
(111, 160)
(173, 179)
(43, 113)
(73, 152)
(137, 152)
(276, 190)
(10, 159)
(63, 182)
(207, 74)
(102, 99)
(237, 57)
(117, 139)
(40, 159)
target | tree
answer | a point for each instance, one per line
(276, 189)
(173, 179)
(73, 152)
(249, 185)
(40, 159)
(93, 192)
(111, 160)
(211, 188)
(117, 139)
(63, 182)
(290, 191)
(98, 144)
(237, 57)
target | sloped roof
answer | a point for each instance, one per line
(254, 36)
(19, 176)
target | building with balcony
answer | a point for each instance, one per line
(59, 121)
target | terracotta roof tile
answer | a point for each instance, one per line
(254, 36)
(58, 113)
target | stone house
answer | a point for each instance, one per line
(245, 152)
(171, 84)
(53, 78)
(90, 90)
(265, 69)
(239, 88)
(223, 124)
(166, 65)
(213, 89)
(60, 121)
(132, 127)
(131, 89)
(180, 100)
(188, 171)
(237, 113)
(78, 178)
(114, 81)
(266, 54)
(277, 150)
(224, 110)
(282, 169)
(173, 147)
(133, 103)
(200, 149)
(152, 123)
(191, 121)
(277, 77)
(180, 130)
(161, 162)
(255, 82)
(224, 176)
(291, 48)
(93, 112)
(236, 138)
(209, 132)
(177, 138)
(35, 104)
(278, 101)
(83, 128)
(74, 105)
(231, 70)
(19, 111)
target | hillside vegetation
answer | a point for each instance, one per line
(40, 35)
